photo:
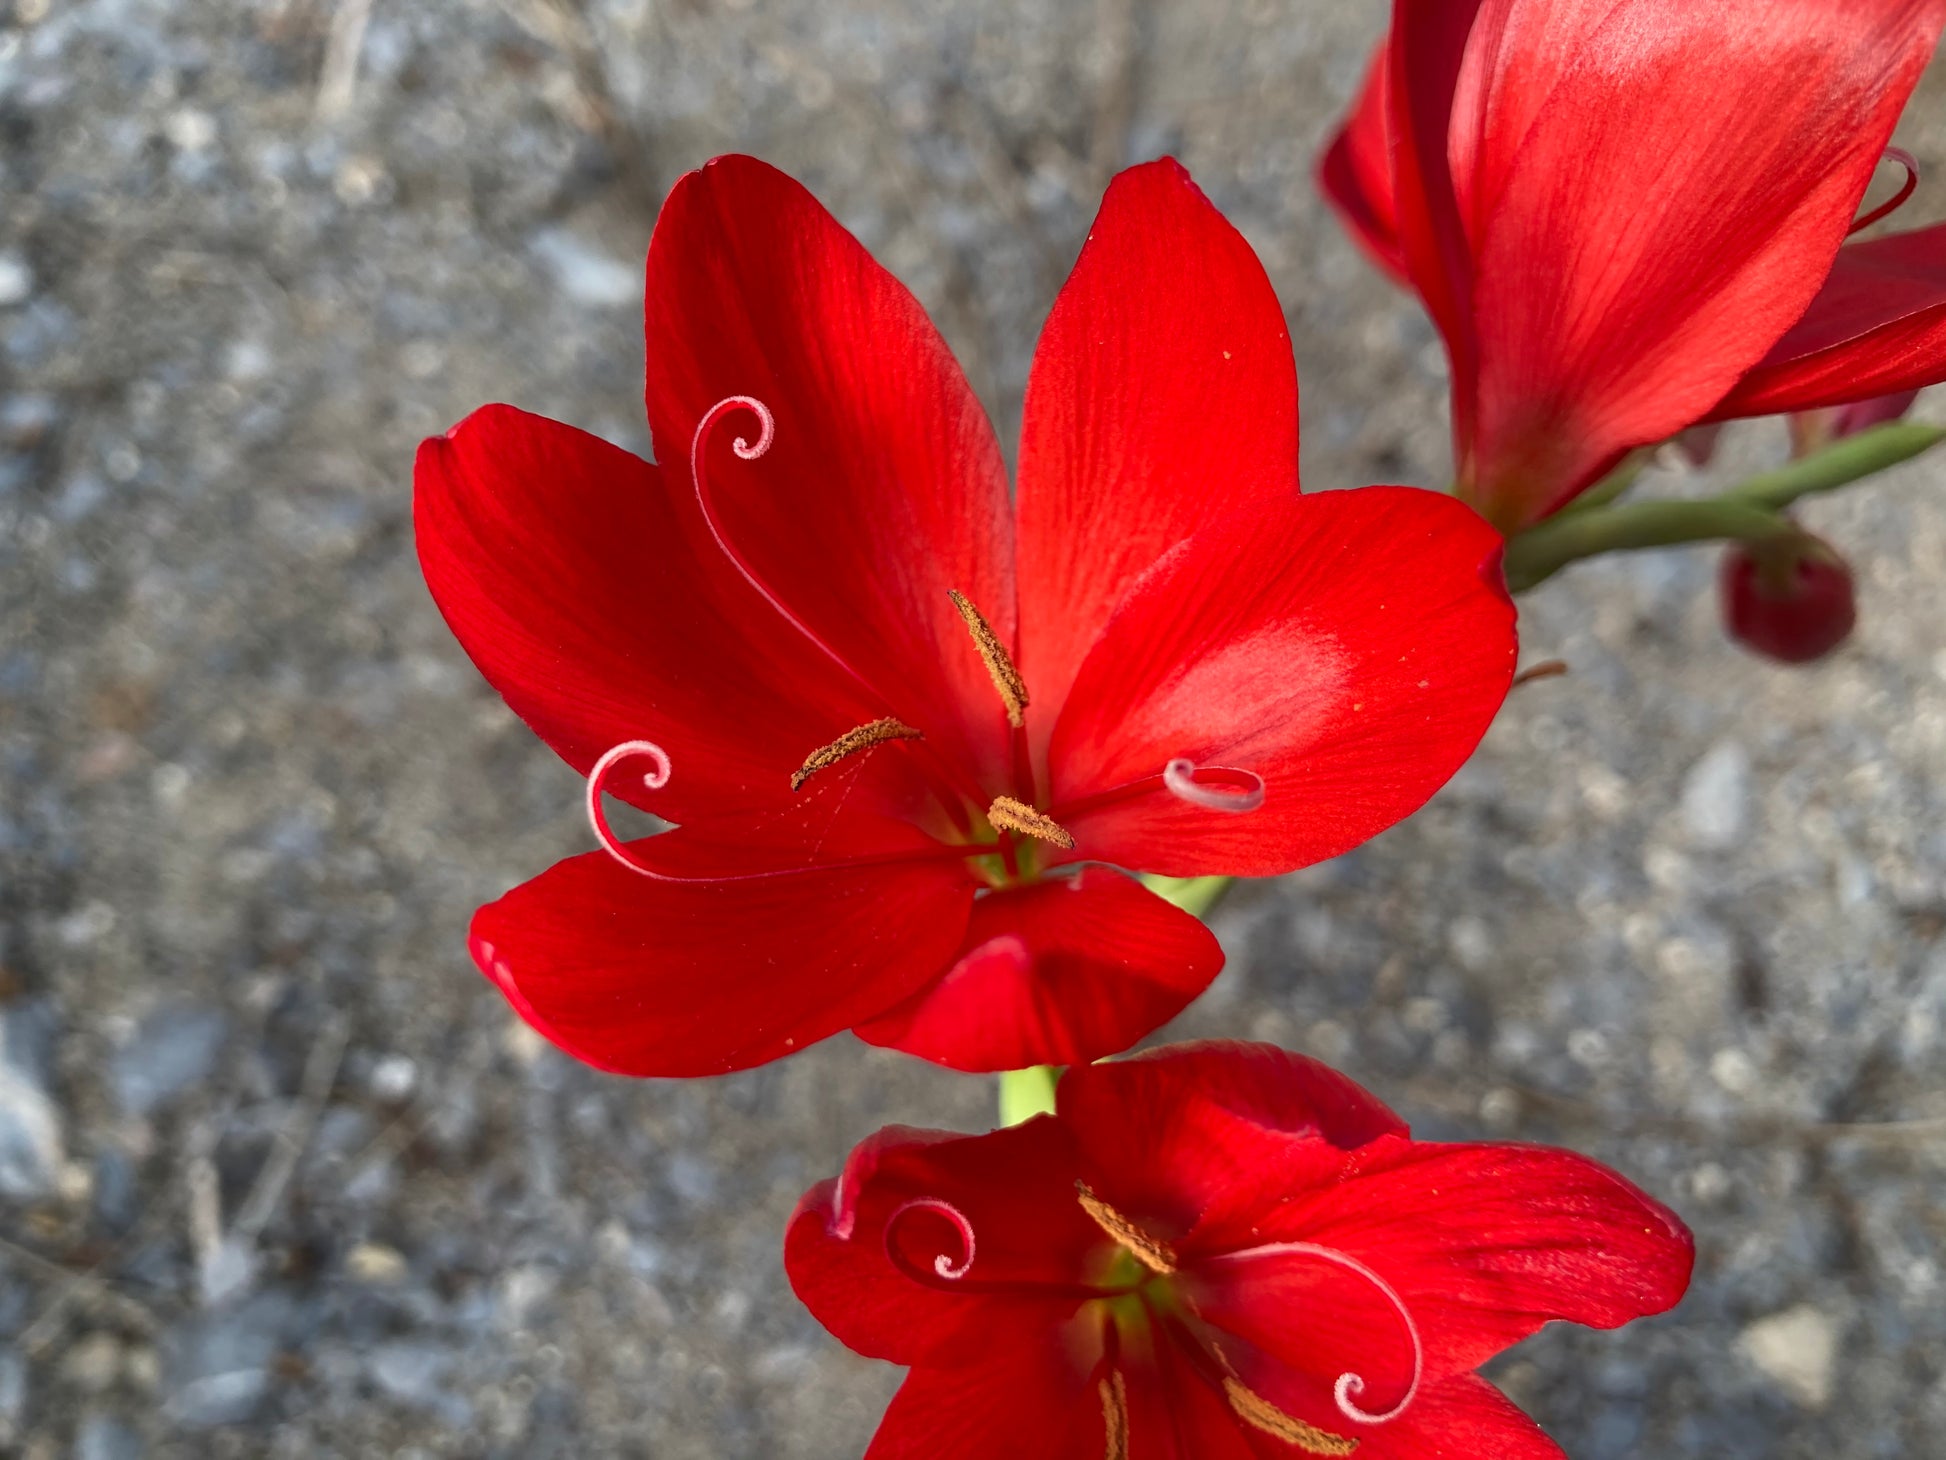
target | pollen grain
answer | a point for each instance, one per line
(1000, 664)
(1007, 814)
(1255, 1410)
(1153, 1254)
(877, 732)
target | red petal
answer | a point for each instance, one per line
(644, 977)
(1163, 395)
(1877, 328)
(884, 487)
(1056, 973)
(1674, 205)
(1032, 1243)
(1348, 648)
(1427, 49)
(1485, 1243)
(1174, 1133)
(1025, 1398)
(1463, 1418)
(578, 586)
(1356, 170)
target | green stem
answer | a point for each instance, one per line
(1839, 464)
(1027, 1093)
(1194, 895)
(1614, 484)
(1543, 550)
(1747, 512)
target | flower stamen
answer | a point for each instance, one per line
(1000, 664)
(864, 737)
(1114, 1414)
(1152, 1253)
(1007, 814)
(1259, 1413)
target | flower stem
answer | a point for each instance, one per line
(1747, 512)
(1027, 1093)
(1194, 895)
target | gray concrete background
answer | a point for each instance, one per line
(279, 1176)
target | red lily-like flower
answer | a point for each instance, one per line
(1626, 217)
(882, 701)
(1217, 1251)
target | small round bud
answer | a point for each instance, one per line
(1790, 599)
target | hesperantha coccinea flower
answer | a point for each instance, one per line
(1629, 216)
(1217, 1251)
(908, 725)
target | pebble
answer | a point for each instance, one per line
(103, 1437)
(219, 1399)
(372, 1262)
(93, 1364)
(32, 1155)
(175, 1048)
(412, 1373)
(585, 275)
(394, 1077)
(16, 280)
(1716, 798)
(1796, 1349)
(219, 1372)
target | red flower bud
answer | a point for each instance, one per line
(1789, 600)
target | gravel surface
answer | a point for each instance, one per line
(278, 1174)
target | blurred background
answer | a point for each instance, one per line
(279, 1174)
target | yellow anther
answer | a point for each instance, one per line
(1000, 665)
(1114, 1415)
(850, 743)
(1255, 1410)
(1007, 814)
(1153, 1254)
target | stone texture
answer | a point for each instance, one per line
(248, 774)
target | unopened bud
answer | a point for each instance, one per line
(1789, 598)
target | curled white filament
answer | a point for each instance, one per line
(1241, 791)
(943, 1264)
(654, 779)
(1351, 1383)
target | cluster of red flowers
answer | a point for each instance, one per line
(1628, 221)
(916, 728)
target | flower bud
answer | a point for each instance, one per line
(1789, 599)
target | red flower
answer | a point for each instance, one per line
(1626, 218)
(1217, 1251)
(882, 701)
